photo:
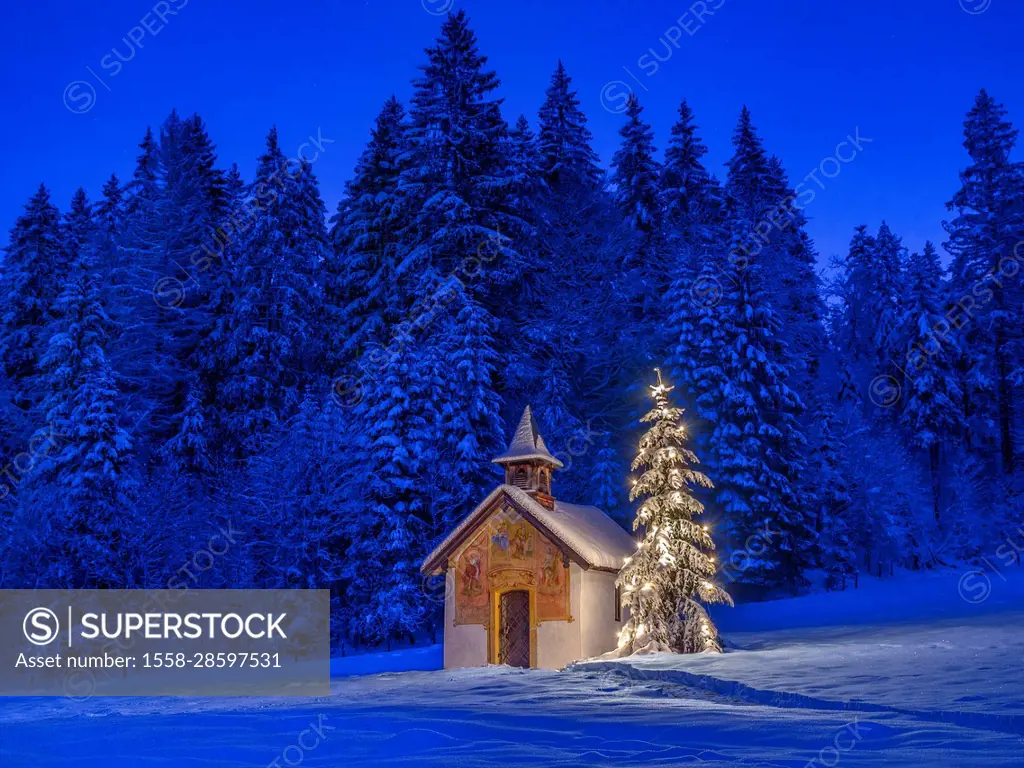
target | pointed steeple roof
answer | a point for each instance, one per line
(527, 444)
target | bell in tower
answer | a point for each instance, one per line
(527, 461)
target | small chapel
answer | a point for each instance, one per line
(530, 579)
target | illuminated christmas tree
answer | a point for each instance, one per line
(668, 581)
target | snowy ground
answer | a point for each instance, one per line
(903, 672)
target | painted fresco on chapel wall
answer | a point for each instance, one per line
(508, 542)
(511, 541)
(552, 583)
(471, 598)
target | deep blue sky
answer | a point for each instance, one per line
(811, 71)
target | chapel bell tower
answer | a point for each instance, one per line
(527, 461)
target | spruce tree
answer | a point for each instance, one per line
(274, 332)
(457, 177)
(931, 413)
(789, 260)
(667, 582)
(691, 196)
(109, 220)
(986, 231)
(362, 269)
(394, 528)
(606, 488)
(459, 260)
(698, 338)
(642, 278)
(748, 183)
(886, 295)
(145, 341)
(78, 230)
(526, 179)
(857, 295)
(472, 426)
(297, 481)
(34, 269)
(635, 173)
(833, 504)
(757, 443)
(567, 159)
(88, 486)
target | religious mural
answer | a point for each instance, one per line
(507, 542)
(512, 541)
(471, 598)
(552, 583)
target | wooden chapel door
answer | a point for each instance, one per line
(514, 629)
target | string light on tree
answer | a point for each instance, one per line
(667, 613)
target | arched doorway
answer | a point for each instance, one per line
(514, 628)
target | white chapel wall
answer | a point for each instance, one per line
(599, 630)
(464, 645)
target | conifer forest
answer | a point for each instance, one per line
(198, 362)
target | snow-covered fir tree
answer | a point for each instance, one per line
(833, 506)
(931, 412)
(567, 159)
(363, 268)
(747, 183)
(390, 535)
(526, 182)
(887, 294)
(757, 443)
(670, 579)
(86, 487)
(294, 489)
(274, 327)
(635, 172)
(457, 176)
(790, 261)
(472, 424)
(460, 257)
(607, 488)
(698, 339)
(762, 205)
(691, 196)
(987, 228)
(855, 327)
(34, 269)
(108, 216)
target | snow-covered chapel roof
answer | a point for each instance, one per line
(589, 537)
(527, 443)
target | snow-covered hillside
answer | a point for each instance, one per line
(903, 672)
(921, 645)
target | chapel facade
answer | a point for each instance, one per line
(529, 579)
